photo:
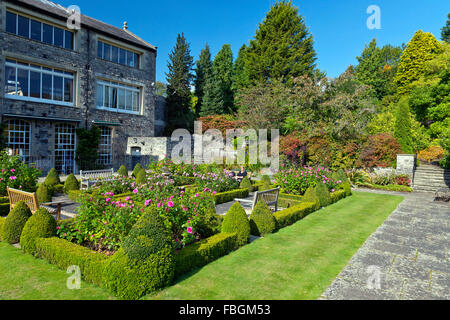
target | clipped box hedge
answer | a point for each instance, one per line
(338, 195)
(203, 252)
(63, 253)
(228, 196)
(291, 215)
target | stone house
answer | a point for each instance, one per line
(55, 78)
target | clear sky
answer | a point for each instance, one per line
(338, 26)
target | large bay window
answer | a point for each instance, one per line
(37, 83)
(118, 97)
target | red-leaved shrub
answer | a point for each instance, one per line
(380, 150)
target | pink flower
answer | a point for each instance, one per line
(170, 204)
(135, 191)
(196, 194)
(13, 170)
(147, 202)
(109, 199)
(12, 178)
(127, 198)
(184, 208)
(189, 230)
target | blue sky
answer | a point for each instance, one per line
(338, 26)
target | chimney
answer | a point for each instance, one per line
(125, 25)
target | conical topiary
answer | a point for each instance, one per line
(310, 196)
(43, 194)
(15, 221)
(71, 183)
(262, 220)
(136, 169)
(123, 171)
(323, 194)
(40, 225)
(141, 177)
(246, 184)
(52, 178)
(236, 221)
(265, 179)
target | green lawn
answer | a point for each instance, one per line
(24, 277)
(298, 262)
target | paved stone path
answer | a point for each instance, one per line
(409, 252)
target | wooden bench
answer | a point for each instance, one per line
(270, 197)
(87, 178)
(32, 202)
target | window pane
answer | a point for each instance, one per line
(68, 90)
(114, 54)
(100, 95)
(106, 51)
(107, 95)
(58, 37)
(128, 100)
(46, 86)
(57, 88)
(130, 61)
(22, 85)
(136, 101)
(69, 40)
(47, 35)
(114, 98)
(100, 49)
(121, 99)
(11, 25)
(24, 27)
(35, 84)
(36, 30)
(122, 56)
(10, 83)
(136, 60)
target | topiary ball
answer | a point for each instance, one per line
(246, 184)
(262, 220)
(71, 184)
(43, 194)
(40, 225)
(236, 221)
(147, 236)
(323, 194)
(311, 196)
(123, 171)
(14, 222)
(136, 169)
(265, 179)
(141, 177)
(52, 178)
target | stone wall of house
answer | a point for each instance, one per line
(87, 68)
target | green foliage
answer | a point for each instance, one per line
(2, 224)
(291, 215)
(63, 254)
(129, 278)
(136, 170)
(262, 221)
(123, 171)
(4, 209)
(347, 188)
(179, 86)
(266, 186)
(402, 130)
(52, 178)
(228, 196)
(421, 48)
(59, 188)
(71, 183)
(147, 237)
(311, 196)
(40, 225)
(87, 148)
(380, 150)
(338, 195)
(203, 70)
(43, 194)
(323, 194)
(240, 73)
(282, 48)
(16, 174)
(445, 31)
(203, 252)
(245, 183)
(236, 221)
(266, 179)
(141, 177)
(14, 223)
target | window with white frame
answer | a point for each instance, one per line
(65, 145)
(115, 54)
(105, 146)
(118, 97)
(36, 30)
(30, 82)
(19, 138)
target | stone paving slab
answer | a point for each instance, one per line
(408, 256)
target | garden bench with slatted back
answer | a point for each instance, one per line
(30, 199)
(270, 197)
(88, 178)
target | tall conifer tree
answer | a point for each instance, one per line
(202, 71)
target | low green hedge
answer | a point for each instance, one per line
(389, 187)
(203, 252)
(228, 196)
(4, 209)
(59, 188)
(289, 216)
(287, 203)
(74, 195)
(337, 195)
(4, 200)
(64, 254)
(2, 223)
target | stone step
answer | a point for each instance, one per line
(426, 170)
(423, 179)
(426, 188)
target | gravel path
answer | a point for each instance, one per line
(407, 258)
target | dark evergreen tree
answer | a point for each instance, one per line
(402, 129)
(445, 31)
(223, 73)
(212, 99)
(202, 71)
(179, 80)
(240, 74)
(282, 48)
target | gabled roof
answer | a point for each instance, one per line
(61, 12)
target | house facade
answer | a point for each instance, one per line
(55, 79)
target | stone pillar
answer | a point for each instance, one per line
(405, 164)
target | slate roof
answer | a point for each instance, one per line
(61, 12)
